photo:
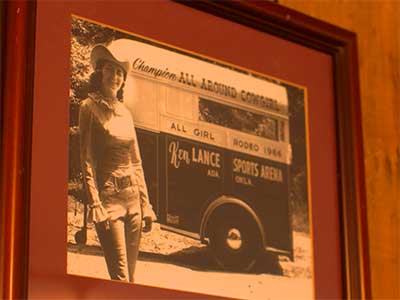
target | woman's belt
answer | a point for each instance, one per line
(122, 182)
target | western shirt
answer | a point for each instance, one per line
(110, 151)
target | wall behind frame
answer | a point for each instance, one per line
(377, 25)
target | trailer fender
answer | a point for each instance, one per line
(224, 200)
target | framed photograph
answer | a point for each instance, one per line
(180, 150)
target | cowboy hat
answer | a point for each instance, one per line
(111, 53)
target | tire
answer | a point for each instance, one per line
(234, 239)
(80, 237)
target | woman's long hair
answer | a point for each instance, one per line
(95, 81)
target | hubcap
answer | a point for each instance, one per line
(234, 239)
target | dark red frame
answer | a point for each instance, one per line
(17, 95)
(16, 115)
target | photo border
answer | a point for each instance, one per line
(268, 78)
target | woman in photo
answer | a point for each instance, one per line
(112, 165)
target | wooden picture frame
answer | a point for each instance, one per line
(18, 132)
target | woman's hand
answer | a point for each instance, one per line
(97, 213)
(148, 224)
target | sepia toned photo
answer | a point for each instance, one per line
(185, 172)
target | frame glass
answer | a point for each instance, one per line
(263, 41)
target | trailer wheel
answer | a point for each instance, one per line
(235, 240)
(80, 237)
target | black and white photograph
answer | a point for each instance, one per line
(185, 172)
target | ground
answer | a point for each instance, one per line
(163, 252)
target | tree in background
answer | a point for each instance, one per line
(298, 197)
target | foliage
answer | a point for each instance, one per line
(298, 197)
